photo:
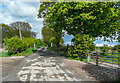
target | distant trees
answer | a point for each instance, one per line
(116, 48)
(24, 27)
(105, 48)
(50, 36)
(13, 30)
(47, 34)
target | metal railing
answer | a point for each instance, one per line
(107, 60)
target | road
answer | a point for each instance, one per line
(41, 66)
(45, 65)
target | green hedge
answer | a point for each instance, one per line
(31, 41)
(16, 45)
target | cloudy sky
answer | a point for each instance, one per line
(23, 10)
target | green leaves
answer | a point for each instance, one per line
(16, 45)
(82, 43)
(99, 18)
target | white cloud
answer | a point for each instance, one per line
(99, 45)
(21, 11)
(111, 45)
(6, 19)
(102, 44)
(4, 0)
(21, 0)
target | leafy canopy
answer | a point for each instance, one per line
(96, 19)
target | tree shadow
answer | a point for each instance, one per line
(48, 53)
(100, 73)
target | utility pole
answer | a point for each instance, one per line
(20, 31)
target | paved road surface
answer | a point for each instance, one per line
(42, 66)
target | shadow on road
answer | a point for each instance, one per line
(100, 73)
(97, 72)
(48, 53)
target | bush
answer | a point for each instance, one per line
(31, 41)
(53, 40)
(15, 45)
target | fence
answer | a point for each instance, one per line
(107, 60)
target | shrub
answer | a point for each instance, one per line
(15, 45)
(31, 41)
(53, 40)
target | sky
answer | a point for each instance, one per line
(22, 10)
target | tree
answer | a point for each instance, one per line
(96, 19)
(51, 36)
(0, 35)
(105, 48)
(33, 34)
(116, 48)
(24, 27)
(13, 30)
(6, 31)
(61, 41)
(56, 28)
(47, 34)
(80, 46)
(53, 40)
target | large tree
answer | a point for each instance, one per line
(6, 31)
(97, 19)
(24, 27)
(13, 30)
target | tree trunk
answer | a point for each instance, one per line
(20, 32)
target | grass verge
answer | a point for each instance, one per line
(27, 52)
(72, 58)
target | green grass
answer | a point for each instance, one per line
(29, 51)
(2, 54)
(71, 58)
(51, 48)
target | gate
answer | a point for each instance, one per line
(107, 60)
